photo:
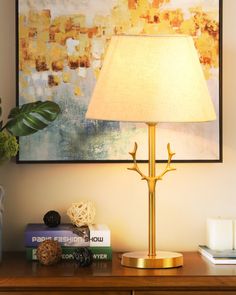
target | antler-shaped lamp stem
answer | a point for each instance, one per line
(152, 189)
(154, 258)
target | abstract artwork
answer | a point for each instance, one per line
(60, 50)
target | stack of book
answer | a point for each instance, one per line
(217, 256)
(97, 237)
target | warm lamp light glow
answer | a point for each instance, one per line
(151, 79)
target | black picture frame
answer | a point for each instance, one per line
(28, 144)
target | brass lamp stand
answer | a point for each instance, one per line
(152, 258)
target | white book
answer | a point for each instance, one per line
(100, 235)
(216, 260)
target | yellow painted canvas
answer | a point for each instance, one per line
(61, 47)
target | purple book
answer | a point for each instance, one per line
(65, 234)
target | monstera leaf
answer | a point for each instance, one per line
(1, 122)
(31, 117)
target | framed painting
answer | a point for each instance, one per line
(60, 50)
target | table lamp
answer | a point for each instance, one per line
(151, 79)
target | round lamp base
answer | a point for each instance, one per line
(162, 259)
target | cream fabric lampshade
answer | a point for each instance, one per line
(151, 79)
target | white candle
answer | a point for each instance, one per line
(219, 234)
(234, 234)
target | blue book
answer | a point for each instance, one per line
(65, 234)
(96, 235)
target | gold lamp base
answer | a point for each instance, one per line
(162, 259)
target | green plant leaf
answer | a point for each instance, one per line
(31, 117)
(0, 107)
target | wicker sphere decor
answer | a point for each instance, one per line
(52, 218)
(82, 213)
(49, 252)
(83, 256)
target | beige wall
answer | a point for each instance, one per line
(185, 198)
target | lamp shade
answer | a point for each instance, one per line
(151, 79)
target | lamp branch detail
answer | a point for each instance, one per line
(152, 180)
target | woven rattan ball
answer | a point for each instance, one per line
(82, 213)
(83, 256)
(49, 252)
(52, 218)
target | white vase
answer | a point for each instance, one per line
(2, 192)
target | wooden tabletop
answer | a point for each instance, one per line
(17, 272)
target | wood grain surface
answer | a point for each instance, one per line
(197, 276)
